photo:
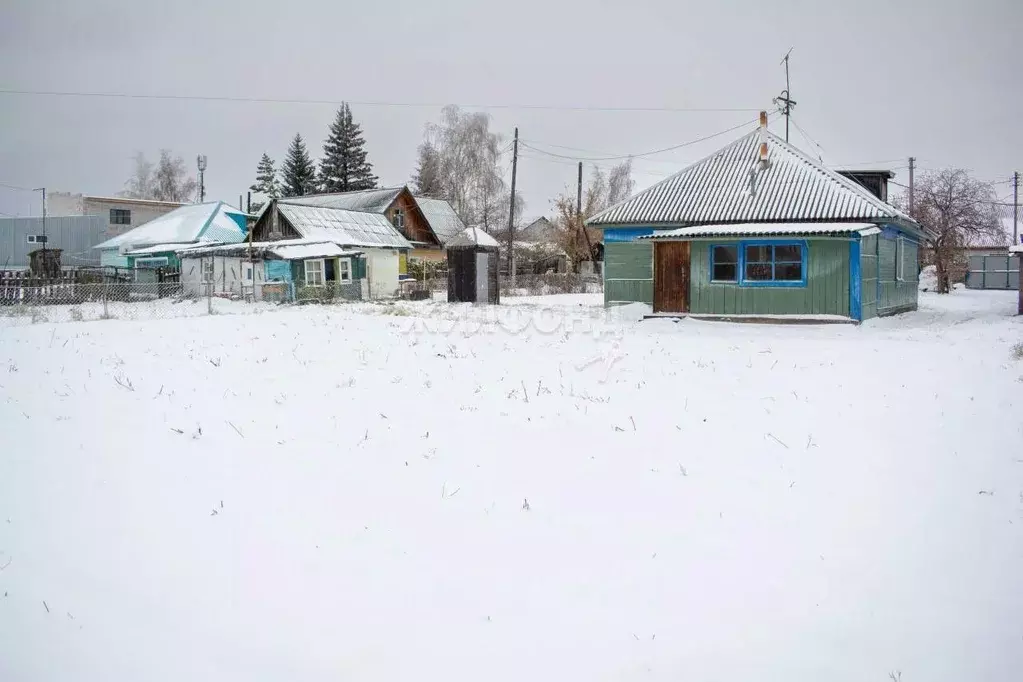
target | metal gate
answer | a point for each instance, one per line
(993, 272)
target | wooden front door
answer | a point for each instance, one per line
(671, 277)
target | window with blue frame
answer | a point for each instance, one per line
(724, 263)
(773, 263)
(759, 263)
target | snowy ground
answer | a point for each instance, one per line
(528, 492)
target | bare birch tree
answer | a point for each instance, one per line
(467, 167)
(960, 211)
(169, 180)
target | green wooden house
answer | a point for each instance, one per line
(760, 229)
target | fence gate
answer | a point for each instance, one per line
(993, 272)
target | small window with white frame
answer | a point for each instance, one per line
(35, 239)
(344, 269)
(399, 219)
(207, 270)
(314, 273)
(900, 259)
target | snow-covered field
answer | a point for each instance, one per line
(537, 491)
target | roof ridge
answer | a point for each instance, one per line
(836, 177)
(351, 191)
(675, 175)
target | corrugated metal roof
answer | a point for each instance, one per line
(160, 248)
(347, 228)
(286, 249)
(762, 229)
(442, 218)
(370, 200)
(794, 187)
(303, 251)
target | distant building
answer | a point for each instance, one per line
(118, 214)
(74, 236)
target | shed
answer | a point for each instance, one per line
(759, 229)
(473, 257)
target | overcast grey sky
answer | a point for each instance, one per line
(874, 81)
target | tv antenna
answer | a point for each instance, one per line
(784, 100)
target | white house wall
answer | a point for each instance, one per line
(382, 272)
(228, 276)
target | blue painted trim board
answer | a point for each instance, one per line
(855, 281)
(626, 234)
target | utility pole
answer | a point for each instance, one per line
(511, 210)
(912, 167)
(579, 212)
(43, 190)
(784, 99)
(1015, 208)
(45, 238)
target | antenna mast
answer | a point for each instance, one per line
(784, 100)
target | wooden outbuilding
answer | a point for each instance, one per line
(473, 258)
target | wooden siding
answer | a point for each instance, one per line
(894, 296)
(416, 228)
(628, 272)
(826, 291)
(272, 226)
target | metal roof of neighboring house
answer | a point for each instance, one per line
(730, 186)
(762, 229)
(344, 227)
(310, 250)
(159, 248)
(442, 218)
(285, 249)
(472, 237)
(209, 222)
(369, 200)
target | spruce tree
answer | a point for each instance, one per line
(427, 181)
(266, 179)
(298, 174)
(344, 167)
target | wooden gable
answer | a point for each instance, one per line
(412, 224)
(271, 226)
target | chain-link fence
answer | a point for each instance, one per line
(27, 300)
(75, 302)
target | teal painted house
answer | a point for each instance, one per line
(154, 244)
(760, 229)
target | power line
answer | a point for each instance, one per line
(806, 136)
(641, 154)
(26, 189)
(367, 103)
